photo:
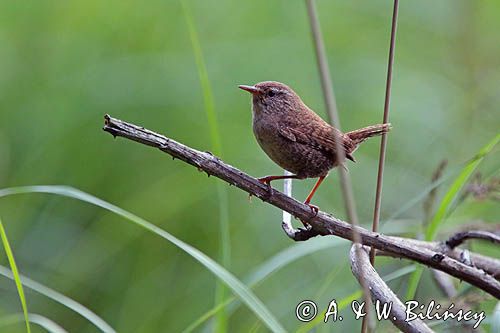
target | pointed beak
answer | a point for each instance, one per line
(251, 89)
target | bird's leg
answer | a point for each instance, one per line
(314, 208)
(268, 179)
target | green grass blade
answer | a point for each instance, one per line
(273, 264)
(255, 327)
(422, 195)
(346, 301)
(446, 204)
(279, 260)
(15, 272)
(299, 250)
(225, 240)
(457, 185)
(207, 315)
(61, 299)
(276, 262)
(291, 254)
(34, 318)
(204, 81)
(242, 291)
(413, 282)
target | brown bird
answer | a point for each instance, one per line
(296, 138)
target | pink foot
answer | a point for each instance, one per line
(314, 209)
(265, 180)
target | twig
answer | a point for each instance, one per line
(322, 224)
(334, 119)
(461, 237)
(382, 293)
(483, 263)
(383, 142)
(208, 100)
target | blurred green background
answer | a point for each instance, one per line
(64, 64)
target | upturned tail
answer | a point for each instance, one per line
(364, 133)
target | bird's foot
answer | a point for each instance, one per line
(314, 209)
(266, 180)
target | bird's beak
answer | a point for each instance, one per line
(251, 89)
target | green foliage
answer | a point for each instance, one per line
(60, 298)
(15, 274)
(40, 320)
(459, 183)
(281, 259)
(445, 206)
(65, 64)
(232, 282)
(225, 240)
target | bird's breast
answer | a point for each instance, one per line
(288, 154)
(265, 131)
(267, 135)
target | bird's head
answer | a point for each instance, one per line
(272, 97)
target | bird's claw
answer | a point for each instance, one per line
(265, 181)
(314, 209)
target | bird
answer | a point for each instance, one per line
(296, 138)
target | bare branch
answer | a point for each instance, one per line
(331, 107)
(382, 293)
(334, 120)
(461, 237)
(487, 264)
(322, 223)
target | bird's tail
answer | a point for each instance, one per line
(364, 133)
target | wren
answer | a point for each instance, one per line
(296, 138)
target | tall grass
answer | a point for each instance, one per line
(242, 291)
(34, 318)
(273, 264)
(334, 120)
(86, 313)
(446, 206)
(15, 273)
(222, 196)
(299, 250)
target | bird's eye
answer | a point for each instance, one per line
(271, 93)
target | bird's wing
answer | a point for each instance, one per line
(320, 138)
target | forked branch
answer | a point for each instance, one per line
(360, 264)
(429, 254)
(461, 237)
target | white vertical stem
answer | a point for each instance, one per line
(287, 189)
